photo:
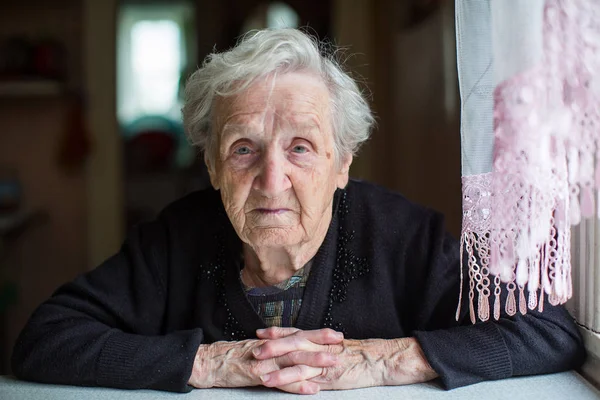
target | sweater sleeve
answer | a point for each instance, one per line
(463, 353)
(104, 328)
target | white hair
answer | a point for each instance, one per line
(268, 51)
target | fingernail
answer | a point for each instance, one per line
(265, 378)
(260, 331)
(256, 351)
(339, 335)
(334, 357)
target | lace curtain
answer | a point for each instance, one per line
(530, 89)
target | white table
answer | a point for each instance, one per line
(564, 386)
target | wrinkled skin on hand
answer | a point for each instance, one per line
(235, 364)
(306, 362)
(361, 363)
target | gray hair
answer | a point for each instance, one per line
(259, 54)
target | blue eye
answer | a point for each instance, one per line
(299, 149)
(243, 150)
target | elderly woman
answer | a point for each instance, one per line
(286, 275)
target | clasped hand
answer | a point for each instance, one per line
(306, 362)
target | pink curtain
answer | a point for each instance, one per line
(530, 131)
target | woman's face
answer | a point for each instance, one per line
(276, 168)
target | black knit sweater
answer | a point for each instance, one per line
(386, 269)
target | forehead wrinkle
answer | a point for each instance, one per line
(249, 105)
(306, 111)
(302, 109)
(231, 128)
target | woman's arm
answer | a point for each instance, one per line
(463, 353)
(103, 329)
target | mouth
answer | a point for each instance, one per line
(272, 211)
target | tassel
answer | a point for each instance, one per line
(558, 284)
(471, 286)
(565, 283)
(497, 307)
(471, 308)
(532, 303)
(522, 301)
(541, 302)
(522, 272)
(546, 284)
(534, 279)
(511, 306)
(471, 297)
(460, 293)
(484, 308)
(497, 292)
(552, 299)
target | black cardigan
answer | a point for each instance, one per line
(386, 269)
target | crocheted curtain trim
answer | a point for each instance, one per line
(546, 171)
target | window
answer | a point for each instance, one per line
(152, 55)
(156, 62)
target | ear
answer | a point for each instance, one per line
(212, 173)
(343, 173)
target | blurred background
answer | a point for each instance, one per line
(91, 140)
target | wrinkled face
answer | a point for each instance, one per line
(275, 166)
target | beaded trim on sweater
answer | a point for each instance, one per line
(348, 266)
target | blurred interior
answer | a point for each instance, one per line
(91, 141)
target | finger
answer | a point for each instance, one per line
(285, 376)
(279, 347)
(299, 341)
(301, 388)
(310, 358)
(322, 336)
(275, 332)
(319, 336)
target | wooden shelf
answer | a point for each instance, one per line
(31, 88)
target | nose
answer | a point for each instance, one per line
(272, 179)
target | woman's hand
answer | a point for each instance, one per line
(361, 363)
(236, 364)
